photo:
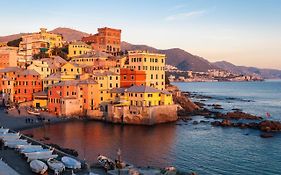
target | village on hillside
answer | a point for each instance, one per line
(91, 77)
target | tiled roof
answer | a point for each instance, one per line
(56, 75)
(41, 93)
(10, 69)
(67, 83)
(105, 73)
(94, 54)
(28, 72)
(88, 81)
(118, 90)
(139, 89)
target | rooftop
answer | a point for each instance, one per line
(10, 69)
(28, 72)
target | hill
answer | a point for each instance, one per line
(176, 57)
(67, 33)
(265, 73)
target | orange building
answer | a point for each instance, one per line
(26, 83)
(8, 57)
(129, 77)
(106, 40)
(7, 81)
(73, 97)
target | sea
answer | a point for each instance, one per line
(201, 148)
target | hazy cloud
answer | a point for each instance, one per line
(182, 16)
(176, 7)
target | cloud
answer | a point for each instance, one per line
(177, 7)
(182, 16)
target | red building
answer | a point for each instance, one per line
(106, 40)
(26, 83)
(130, 77)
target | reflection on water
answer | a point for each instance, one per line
(139, 144)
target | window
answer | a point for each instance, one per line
(151, 76)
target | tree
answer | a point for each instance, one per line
(60, 51)
(167, 81)
(14, 43)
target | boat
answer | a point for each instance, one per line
(41, 157)
(21, 147)
(4, 130)
(39, 152)
(55, 165)
(14, 144)
(6, 135)
(38, 166)
(29, 150)
(33, 112)
(70, 162)
(106, 162)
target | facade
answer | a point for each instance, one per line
(34, 43)
(71, 71)
(106, 81)
(40, 99)
(106, 40)
(74, 97)
(42, 67)
(77, 48)
(26, 83)
(7, 82)
(8, 57)
(130, 77)
(153, 64)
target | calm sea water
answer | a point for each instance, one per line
(201, 148)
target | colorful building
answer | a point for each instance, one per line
(36, 42)
(8, 57)
(129, 77)
(106, 40)
(27, 82)
(74, 97)
(7, 82)
(77, 48)
(71, 71)
(106, 80)
(40, 99)
(153, 65)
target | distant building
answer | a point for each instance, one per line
(153, 65)
(106, 40)
(77, 48)
(26, 83)
(130, 77)
(8, 57)
(38, 42)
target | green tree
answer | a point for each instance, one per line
(14, 43)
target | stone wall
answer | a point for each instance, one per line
(147, 116)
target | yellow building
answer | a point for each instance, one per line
(71, 71)
(153, 65)
(40, 99)
(77, 48)
(33, 43)
(51, 79)
(3, 44)
(107, 80)
(141, 96)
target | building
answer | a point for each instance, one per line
(52, 79)
(42, 67)
(38, 42)
(8, 57)
(106, 40)
(77, 48)
(7, 81)
(106, 80)
(71, 71)
(129, 77)
(74, 97)
(152, 63)
(3, 44)
(27, 82)
(141, 105)
(40, 99)
(91, 58)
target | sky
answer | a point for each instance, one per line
(243, 32)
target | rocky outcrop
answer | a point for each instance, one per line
(238, 115)
(270, 126)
